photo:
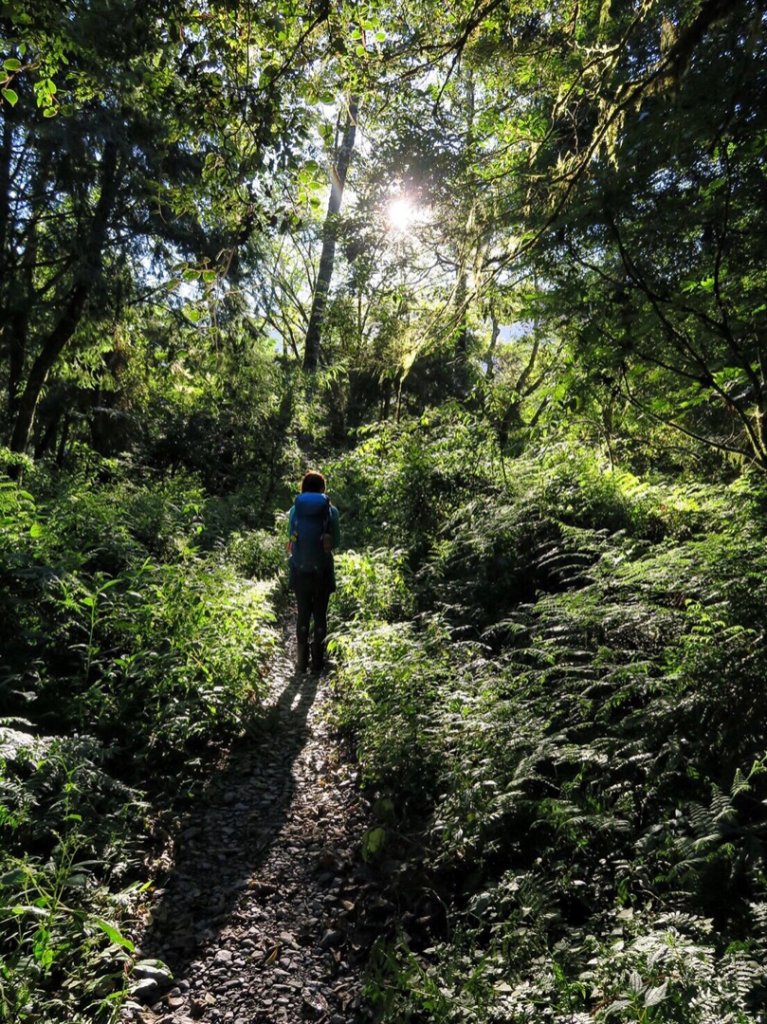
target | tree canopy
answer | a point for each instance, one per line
(568, 165)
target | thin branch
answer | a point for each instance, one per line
(678, 339)
(710, 441)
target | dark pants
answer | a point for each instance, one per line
(312, 596)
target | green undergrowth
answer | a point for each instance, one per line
(564, 733)
(136, 621)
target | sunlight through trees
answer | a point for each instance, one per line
(499, 268)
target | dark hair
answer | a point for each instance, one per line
(313, 482)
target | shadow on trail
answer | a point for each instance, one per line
(230, 834)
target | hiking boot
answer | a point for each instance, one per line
(302, 656)
(318, 657)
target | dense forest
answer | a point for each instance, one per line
(499, 269)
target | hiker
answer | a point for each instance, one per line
(314, 532)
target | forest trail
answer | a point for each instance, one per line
(261, 919)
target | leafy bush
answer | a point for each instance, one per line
(256, 553)
(69, 839)
(392, 690)
(589, 791)
(161, 655)
(127, 649)
(372, 585)
(400, 483)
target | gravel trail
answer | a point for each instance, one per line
(265, 917)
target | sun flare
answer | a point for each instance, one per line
(401, 214)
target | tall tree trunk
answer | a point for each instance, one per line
(18, 260)
(41, 367)
(85, 276)
(492, 346)
(47, 439)
(12, 304)
(6, 148)
(461, 368)
(329, 235)
(17, 302)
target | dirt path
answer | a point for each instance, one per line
(263, 916)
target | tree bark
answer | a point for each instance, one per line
(13, 318)
(86, 275)
(17, 305)
(492, 346)
(329, 236)
(18, 262)
(6, 149)
(461, 368)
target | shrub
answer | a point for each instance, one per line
(127, 651)
(69, 835)
(589, 792)
(371, 585)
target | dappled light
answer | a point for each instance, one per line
(383, 508)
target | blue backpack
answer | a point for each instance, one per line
(312, 519)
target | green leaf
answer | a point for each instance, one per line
(653, 996)
(12, 877)
(50, 112)
(194, 315)
(12, 64)
(372, 842)
(635, 981)
(20, 909)
(10, 96)
(114, 934)
(383, 809)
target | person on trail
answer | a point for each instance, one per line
(314, 529)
